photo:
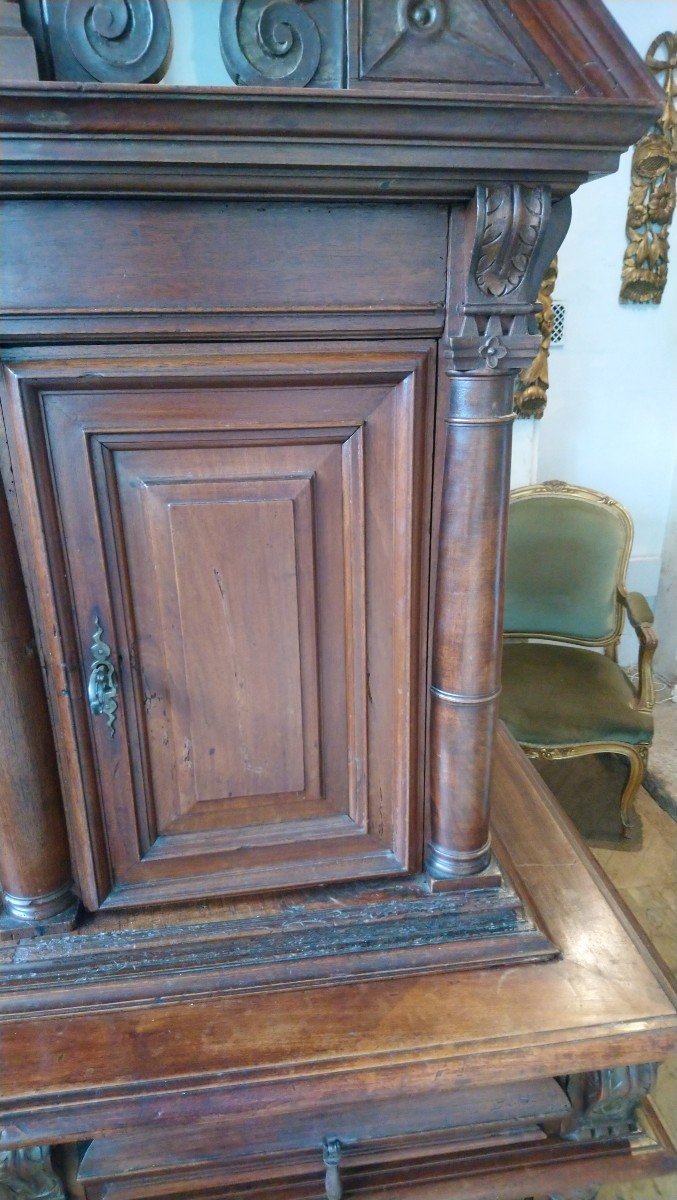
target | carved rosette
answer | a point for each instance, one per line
(27, 1174)
(283, 43)
(531, 390)
(652, 190)
(605, 1103)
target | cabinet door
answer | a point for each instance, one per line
(248, 534)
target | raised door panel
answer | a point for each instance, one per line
(254, 550)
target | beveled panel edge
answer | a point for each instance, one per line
(44, 325)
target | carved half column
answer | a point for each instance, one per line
(27, 1174)
(511, 234)
(604, 1104)
(35, 872)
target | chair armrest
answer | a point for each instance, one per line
(640, 617)
(638, 608)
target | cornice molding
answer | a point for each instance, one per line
(96, 139)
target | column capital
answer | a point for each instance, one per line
(510, 235)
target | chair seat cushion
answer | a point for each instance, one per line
(560, 695)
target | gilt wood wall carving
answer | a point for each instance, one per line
(653, 186)
(531, 388)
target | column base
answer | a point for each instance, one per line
(34, 916)
(443, 864)
(490, 876)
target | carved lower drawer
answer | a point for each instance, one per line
(324, 1153)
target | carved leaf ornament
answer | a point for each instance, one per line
(514, 217)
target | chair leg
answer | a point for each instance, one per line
(637, 756)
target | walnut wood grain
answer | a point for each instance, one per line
(226, 1053)
(35, 868)
(243, 525)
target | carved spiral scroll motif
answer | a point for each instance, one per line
(118, 40)
(277, 42)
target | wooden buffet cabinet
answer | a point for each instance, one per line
(258, 353)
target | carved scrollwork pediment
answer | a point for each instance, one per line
(283, 43)
(126, 41)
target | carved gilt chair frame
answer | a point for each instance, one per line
(640, 616)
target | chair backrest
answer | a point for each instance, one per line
(567, 554)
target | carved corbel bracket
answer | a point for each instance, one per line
(27, 1174)
(517, 233)
(605, 1103)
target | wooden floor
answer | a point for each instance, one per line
(643, 868)
(647, 882)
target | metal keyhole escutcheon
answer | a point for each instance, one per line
(102, 688)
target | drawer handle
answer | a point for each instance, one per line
(332, 1151)
(102, 689)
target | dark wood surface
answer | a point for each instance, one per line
(233, 522)
(162, 1058)
(34, 856)
(230, 142)
(232, 321)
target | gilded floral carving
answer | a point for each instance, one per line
(531, 389)
(652, 189)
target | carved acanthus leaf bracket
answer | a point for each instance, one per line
(517, 234)
(605, 1103)
(531, 388)
(653, 187)
(27, 1174)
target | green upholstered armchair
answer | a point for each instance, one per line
(565, 599)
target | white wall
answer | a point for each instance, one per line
(611, 419)
(666, 601)
(196, 55)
